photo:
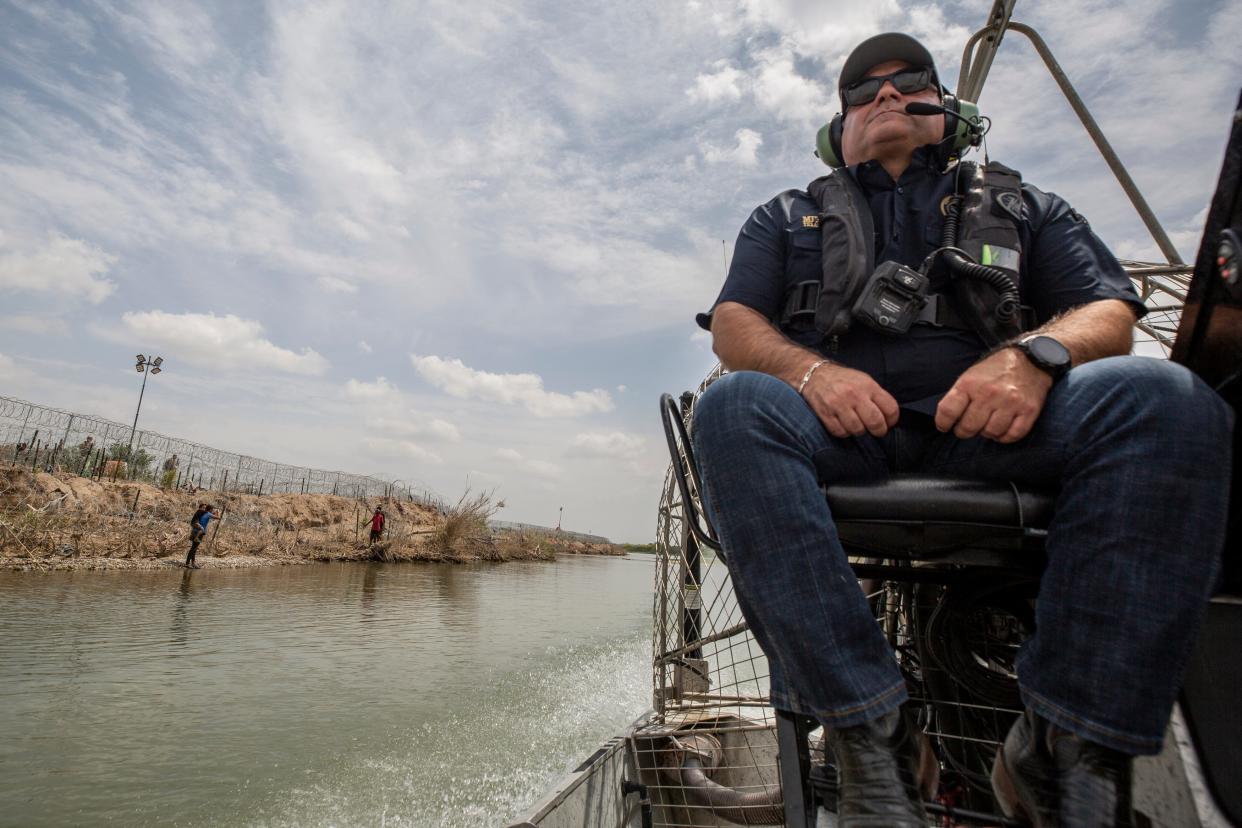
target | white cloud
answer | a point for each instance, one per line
(227, 343)
(37, 325)
(63, 266)
(180, 34)
(543, 469)
(827, 30)
(743, 153)
(655, 286)
(415, 425)
(70, 24)
(8, 368)
(928, 24)
(621, 389)
(364, 347)
(1185, 237)
(484, 479)
(385, 448)
(460, 380)
(613, 444)
(331, 284)
(444, 430)
(790, 96)
(381, 389)
(715, 86)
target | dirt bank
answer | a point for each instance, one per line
(63, 522)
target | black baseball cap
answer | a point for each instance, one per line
(876, 50)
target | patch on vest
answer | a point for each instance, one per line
(810, 221)
(1011, 203)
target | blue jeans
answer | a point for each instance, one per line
(1139, 451)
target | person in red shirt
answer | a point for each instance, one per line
(377, 524)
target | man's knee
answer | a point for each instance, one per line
(734, 403)
(1156, 391)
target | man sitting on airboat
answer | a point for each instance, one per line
(912, 313)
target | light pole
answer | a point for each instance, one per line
(144, 366)
(560, 511)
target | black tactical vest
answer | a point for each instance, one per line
(989, 211)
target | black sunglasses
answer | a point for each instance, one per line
(906, 81)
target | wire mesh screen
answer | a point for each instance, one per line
(705, 658)
(1162, 287)
(55, 440)
(710, 682)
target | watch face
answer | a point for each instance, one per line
(1047, 350)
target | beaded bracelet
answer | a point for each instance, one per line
(807, 376)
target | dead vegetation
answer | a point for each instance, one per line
(465, 524)
(62, 521)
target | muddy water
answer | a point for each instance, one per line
(339, 694)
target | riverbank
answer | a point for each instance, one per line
(56, 522)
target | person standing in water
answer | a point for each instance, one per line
(198, 531)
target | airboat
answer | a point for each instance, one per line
(950, 570)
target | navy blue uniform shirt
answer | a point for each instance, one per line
(1064, 264)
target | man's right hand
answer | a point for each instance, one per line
(850, 403)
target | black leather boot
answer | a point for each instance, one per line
(1056, 779)
(885, 769)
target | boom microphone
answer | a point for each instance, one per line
(920, 108)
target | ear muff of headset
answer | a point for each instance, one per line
(958, 134)
(828, 143)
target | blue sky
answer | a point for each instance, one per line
(462, 244)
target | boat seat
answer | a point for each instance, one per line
(924, 518)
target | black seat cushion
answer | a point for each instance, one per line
(940, 500)
(933, 518)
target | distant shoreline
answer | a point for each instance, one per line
(62, 522)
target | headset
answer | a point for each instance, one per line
(966, 131)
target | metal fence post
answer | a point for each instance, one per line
(21, 431)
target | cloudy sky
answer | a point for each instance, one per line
(462, 243)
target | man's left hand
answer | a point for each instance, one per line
(999, 397)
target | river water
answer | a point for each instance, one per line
(329, 695)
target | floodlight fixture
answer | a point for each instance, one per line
(143, 363)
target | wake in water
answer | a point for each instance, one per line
(494, 752)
